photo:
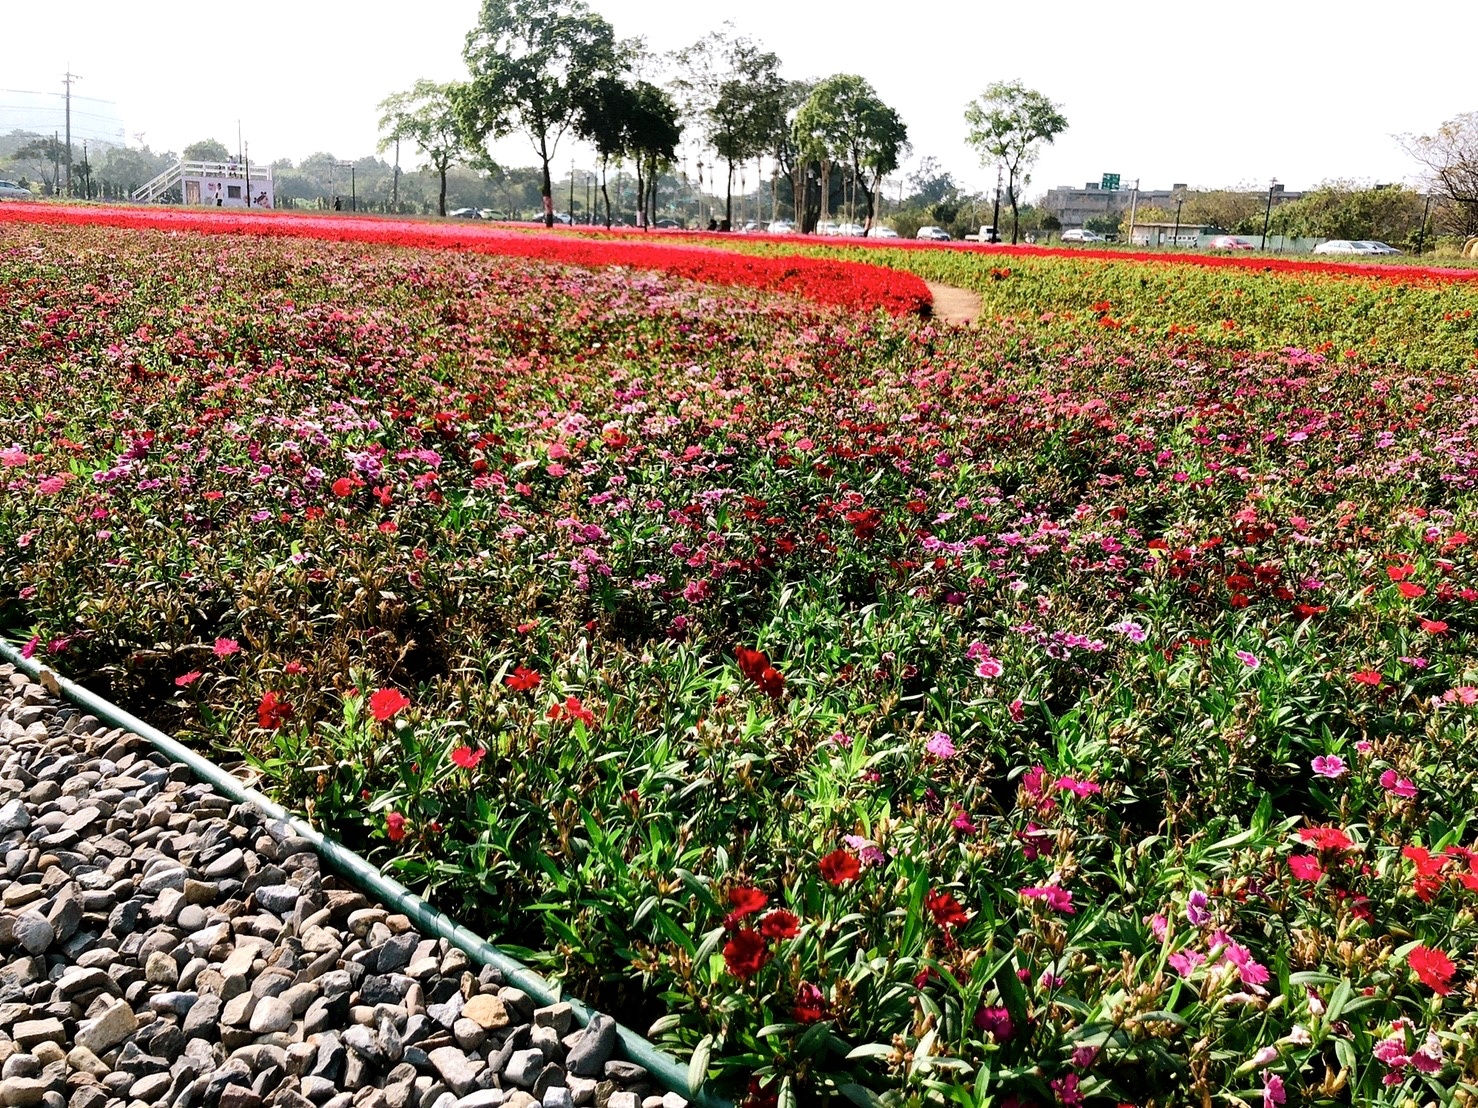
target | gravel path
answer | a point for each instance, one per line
(164, 946)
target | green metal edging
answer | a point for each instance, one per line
(663, 1066)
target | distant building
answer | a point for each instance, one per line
(1167, 234)
(1075, 207)
(229, 184)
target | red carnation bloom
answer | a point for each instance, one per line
(1325, 838)
(467, 757)
(522, 680)
(1433, 968)
(387, 702)
(394, 826)
(745, 953)
(1366, 677)
(780, 924)
(186, 679)
(273, 712)
(839, 867)
(744, 900)
(946, 909)
(1305, 867)
(810, 1003)
(752, 663)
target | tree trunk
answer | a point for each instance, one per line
(1015, 213)
(604, 194)
(441, 200)
(546, 186)
(729, 195)
(641, 208)
(868, 194)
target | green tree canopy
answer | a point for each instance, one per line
(846, 123)
(530, 62)
(1009, 123)
(206, 150)
(732, 87)
(426, 116)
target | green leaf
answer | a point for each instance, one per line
(698, 1064)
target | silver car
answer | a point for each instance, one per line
(9, 190)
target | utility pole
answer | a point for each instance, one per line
(995, 219)
(1267, 215)
(1133, 209)
(395, 180)
(86, 174)
(246, 167)
(1421, 232)
(67, 80)
(56, 165)
(572, 192)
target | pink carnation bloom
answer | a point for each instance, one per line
(1398, 786)
(1331, 766)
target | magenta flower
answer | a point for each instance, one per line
(1398, 786)
(1272, 1091)
(1076, 787)
(1195, 908)
(1331, 766)
(995, 1022)
(1184, 962)
(1056, 897)
(1248, 659)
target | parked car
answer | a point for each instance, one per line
(933, 234)
(1231, 242)
(782, 227)
(850, 230)
(826, 227)
(9, 190)
(1354, 246)
(987, 233)
(882, 233)
(1082, 234)
(464, 213)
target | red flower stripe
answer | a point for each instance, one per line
(851, 285)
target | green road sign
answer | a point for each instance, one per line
(1110, 182)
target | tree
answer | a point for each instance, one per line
(845, 122)
(734, 88)
(652, 133)
(40, 155)
(530, 62)
(1345, 210)
(425, 116)
(931, 183)
(1008, 125)
(1227, 211)
(1451, 158)
(206, 150)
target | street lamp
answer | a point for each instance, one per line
(1268, 214)
(353, 196)
(1421, 232)
(1179, 200)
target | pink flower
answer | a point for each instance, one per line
(1250, 660)
(1272, 1090)
(1398, 786)
(1017, 710)
(226, 647)
(940, 746)
(1184, 962)
(1253, 973)
(1066, 1088)
(1331, 766)
(962, 821)
(1428, 1057)
(386, 703)
(30, 648)
(1084, 1056)
(989, 668)
(184, 680)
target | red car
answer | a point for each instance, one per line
(1231, 242)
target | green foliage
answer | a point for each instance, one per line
(206, 150)
(427, 117)
(845, 123)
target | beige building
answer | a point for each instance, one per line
(1074, 207)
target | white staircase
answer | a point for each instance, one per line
(159, 188)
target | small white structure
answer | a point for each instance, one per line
(230, 184)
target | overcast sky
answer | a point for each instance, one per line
(1206, 94)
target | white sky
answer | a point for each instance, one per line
(1211, 94)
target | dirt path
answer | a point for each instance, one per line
(954, 305)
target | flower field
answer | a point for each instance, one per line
(1077, 709)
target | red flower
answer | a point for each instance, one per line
(780, 924)
(1366, 677)
(185, 679)
(839, 867)
(1411, 590)
(273, 712)
(1305, 867)
(522, 680)
(387, 702)
(744, 900)
(571, 710)
(1433, 626)
(810, 1003)
(1433, 968)
(1325, 838)
(745, 953)
(756, 666)
(946, 909)
(467, 757)
(226, 647)
(345, 486)
(394, 826)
